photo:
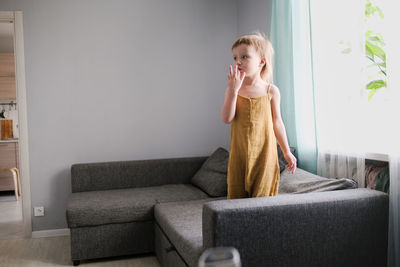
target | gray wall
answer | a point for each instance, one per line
(122, 80)
(253, 15)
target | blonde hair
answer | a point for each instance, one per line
(264, 48)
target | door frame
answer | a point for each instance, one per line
(16, 17)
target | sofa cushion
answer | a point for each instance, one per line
(182, 224)
(304, 182)
(281, 158)
(124, 205)
(211, 177)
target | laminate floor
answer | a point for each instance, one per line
(11, 223)
(55, 251)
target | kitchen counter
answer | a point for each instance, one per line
(9, 140)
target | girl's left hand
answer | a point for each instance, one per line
(291, 162)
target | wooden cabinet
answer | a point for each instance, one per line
(8, 158)
(8, 89)
(8, 150)
(7, 66)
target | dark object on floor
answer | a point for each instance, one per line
(220, 257)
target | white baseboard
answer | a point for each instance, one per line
(49, 233)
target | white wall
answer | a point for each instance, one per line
(123, 80)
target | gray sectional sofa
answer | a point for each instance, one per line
(177, 208)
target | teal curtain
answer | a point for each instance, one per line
(290, 35)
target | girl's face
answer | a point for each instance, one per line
(248, 60)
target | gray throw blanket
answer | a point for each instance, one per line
(304, 182)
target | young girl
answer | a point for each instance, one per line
(252, 106)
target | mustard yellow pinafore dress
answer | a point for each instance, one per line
(253, 169)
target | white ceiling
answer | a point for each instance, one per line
(6, 37)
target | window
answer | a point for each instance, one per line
(353, 101)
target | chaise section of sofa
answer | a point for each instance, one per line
(111, 209)
(179, 238)
(332, 229)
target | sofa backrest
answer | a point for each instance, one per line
(135, 173)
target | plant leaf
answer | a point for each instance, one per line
(376, 50)
(376, 39)
(369, 51)
(377, 84)
(382, 64)
(380, 12)
(369, 9)
(370, 33)
(371, 94)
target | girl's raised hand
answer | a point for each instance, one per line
(235, 79)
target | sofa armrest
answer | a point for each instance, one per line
(334, 228)
(135, 173)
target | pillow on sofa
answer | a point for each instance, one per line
(281, 158)
(211, 177)
(304, 182)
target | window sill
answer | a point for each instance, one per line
(377, 156)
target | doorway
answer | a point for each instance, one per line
(15, 220)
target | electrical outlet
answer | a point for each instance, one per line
(38, 211)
